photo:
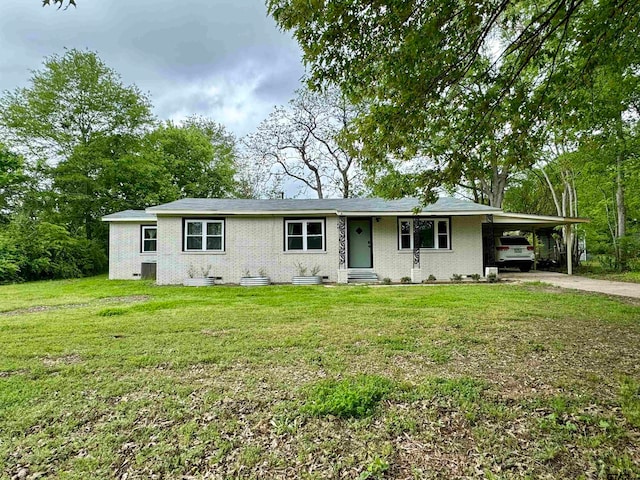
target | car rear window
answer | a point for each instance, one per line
(514, 241)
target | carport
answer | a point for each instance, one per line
(539, 225)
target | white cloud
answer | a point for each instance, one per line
(225, 59)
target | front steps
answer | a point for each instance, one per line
(361, 275)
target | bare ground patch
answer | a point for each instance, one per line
(70, 359)
(103, 301)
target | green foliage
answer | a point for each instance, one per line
(113, 173)
(386, 281)
(73, 98)
(431, 88)
(430, 279)
(405, 280)
(77, 120)
(456, 278)
(10, 259)
(197, 158)
(13, 180)
(33, 250)
(94, 149)
(103, 176)
(630, 401)
(301, 269)
(375, 469)
(475, 277)
(354, 397)
(111, 312)
(460, 390)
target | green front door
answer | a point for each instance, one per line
(359, 243)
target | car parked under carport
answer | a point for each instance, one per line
(540, 226)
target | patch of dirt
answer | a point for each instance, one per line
(62, 360)
(545, 288)
(101, 301)
(7, 374)
(214, 333)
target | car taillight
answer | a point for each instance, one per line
(502, 248)
(530, 248)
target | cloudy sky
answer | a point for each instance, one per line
(224, 59)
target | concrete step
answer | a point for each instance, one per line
(362, 275)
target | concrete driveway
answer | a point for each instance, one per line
(622, 289)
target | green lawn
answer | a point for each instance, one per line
(595, 269)
(631, 277)
(99, 379)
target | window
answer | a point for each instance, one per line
(433, 233)
(304, 235)
(149, 238)
(203, 235)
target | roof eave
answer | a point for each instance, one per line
(526, 218)
(130, 219)
(236, 212)
(403, 213)
(422, 213)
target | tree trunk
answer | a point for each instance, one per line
(318, 183)
(498, 186)
(346, 184)
(554, 195)
(620, 207)
(621, 211)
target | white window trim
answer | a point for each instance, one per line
(435, 221)
(144, 228)
(203, 235)
(304, 222)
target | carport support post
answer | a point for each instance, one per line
(569, 247)
(535, 251)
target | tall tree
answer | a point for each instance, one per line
(308, 141)
(74, 120)
(119, 172)
(408, 60)
(199, 157)
(596, 114)
(107, 174)
(458, 152)
(70, 100)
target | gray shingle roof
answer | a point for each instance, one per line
(353, 205)
(213, 206)
(130, 215)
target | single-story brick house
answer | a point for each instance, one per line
(355, 237)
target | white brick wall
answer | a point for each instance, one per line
(464, 258)
(125, 258)
(251, 243)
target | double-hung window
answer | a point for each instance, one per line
(149, 238)
(203, 235)
(304, 235)
(433, 233)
